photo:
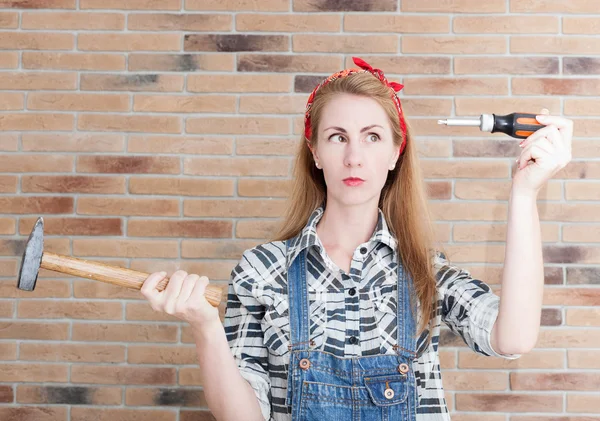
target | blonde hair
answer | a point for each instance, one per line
(403, 198)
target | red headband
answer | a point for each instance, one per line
(395, 87)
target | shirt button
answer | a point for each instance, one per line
(352, 291)
(363, 250)
(353, 340)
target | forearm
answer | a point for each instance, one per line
(518, 323)
(228, 395)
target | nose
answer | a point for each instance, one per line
(353, 155)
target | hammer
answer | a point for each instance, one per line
(35, 258)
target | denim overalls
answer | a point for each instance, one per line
(325, 387)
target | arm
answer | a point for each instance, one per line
(228, 395)
(517, 327)
(233, 356)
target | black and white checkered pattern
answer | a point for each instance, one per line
(257, 319)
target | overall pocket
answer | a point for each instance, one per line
(387, 390)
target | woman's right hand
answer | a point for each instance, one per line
(183, 297)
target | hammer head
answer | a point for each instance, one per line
(32, 257)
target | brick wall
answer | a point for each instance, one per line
(159, 135)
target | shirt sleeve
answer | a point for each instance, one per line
(242, 323)
(469, 307)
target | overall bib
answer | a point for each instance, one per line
(325, 387)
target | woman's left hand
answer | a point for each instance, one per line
(545, 152)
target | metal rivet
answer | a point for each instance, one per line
(403, 368)
(389, 393)
(304, 363)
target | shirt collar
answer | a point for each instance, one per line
(308, 236)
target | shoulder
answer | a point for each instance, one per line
(261, 270)
(263, 257)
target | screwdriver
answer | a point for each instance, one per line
(518, 125)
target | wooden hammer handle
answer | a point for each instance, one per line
(113, 275)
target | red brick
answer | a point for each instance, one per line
(128, 42)
(72, 61)
(504, 402)
(234, 208)
(9, 60)
(77, 102)
(238, 125)
(456, 86)
(182, 62)
(127, 206)
(76, 395)
(131, 4)
(180, 186)
(31, 309)
(125, 248)
(74, 226)
(123, 332)
(54, 331)
(291, 22)
(161, 354)
(33, 204)
(453, 6)
(8, 183)
(128, 164)
(135, 82)
(195, 145)
(9, 20)
(37, 41)
(239, 83)
(266, 146)
(35, 163)
(46, 4)
(182, 228)
(72, 142)
(73, 20)
(554, 86)
(503, 65)
(184, 104)
(72, 184)
(37, 121)
(225, 249)
(235, 42)
(9, 142)
(345, 43)
(109, 414)
(26, 413)
(70, 352)
(44, 288)
(452, 44)
(236, 166)
(129, 123)
(179, 22)
(238, 5)
(152, 397)
(109, 374)
(11, 101)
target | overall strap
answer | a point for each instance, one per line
(406, 340)
(298, 302)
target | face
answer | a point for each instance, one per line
(354, 141)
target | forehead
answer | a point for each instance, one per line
(351, 111)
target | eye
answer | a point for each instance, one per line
(374, 135)
(337, 135)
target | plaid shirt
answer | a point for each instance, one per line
(257, 318)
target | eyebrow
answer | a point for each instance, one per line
(364, 129)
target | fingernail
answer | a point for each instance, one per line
(163, 273)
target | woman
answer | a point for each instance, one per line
(338, 317)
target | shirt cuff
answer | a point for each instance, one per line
(261, 389)
(484, 315)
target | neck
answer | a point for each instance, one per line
(346, 227)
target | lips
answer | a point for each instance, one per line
(353, 179)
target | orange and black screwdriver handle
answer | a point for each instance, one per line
(518, 125)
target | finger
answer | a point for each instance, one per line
(172, 290)
(187, 287)
(545, 111)
(535, 152)
(563, 124)
(199, 289)
(148, 288)
(538, 134)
